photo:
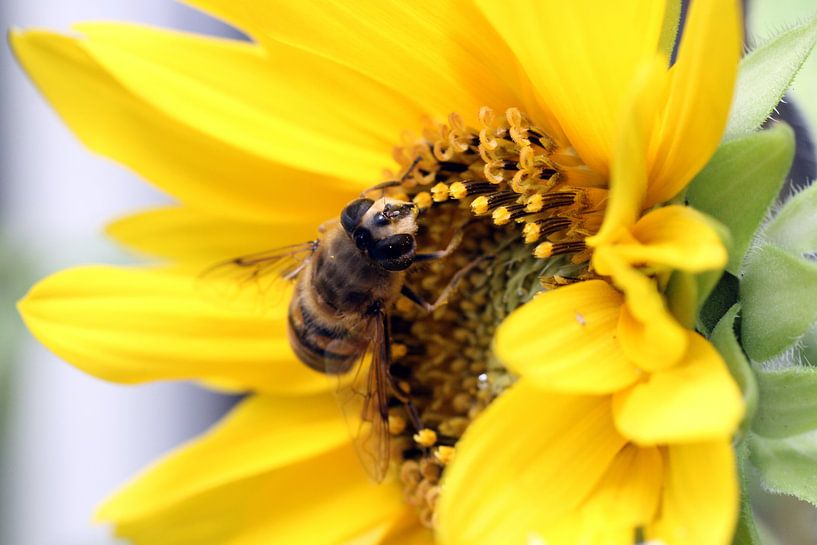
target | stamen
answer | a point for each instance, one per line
(549, 249)
(425, 437)
(439, 192)
(534, 230)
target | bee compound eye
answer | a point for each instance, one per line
(353, 213)
(363, 238)
(394, 253)
(380, 219)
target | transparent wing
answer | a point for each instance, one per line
(363, 395)
(255, 282)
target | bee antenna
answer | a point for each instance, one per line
(410, 169)
(392, 183)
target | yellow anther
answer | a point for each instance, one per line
(543, 250)
(398, 350)
(445, 454)
(458, 190)
(531, 232)
(480, 206)
(439, 192)
(534, 203)
(423, 200)
(425, 437)
(397, 424)
(501, 215)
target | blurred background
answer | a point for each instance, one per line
(66, 439)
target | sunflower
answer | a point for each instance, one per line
(553, 136)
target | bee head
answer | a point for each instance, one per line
(384, 229)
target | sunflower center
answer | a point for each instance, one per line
(523, 204)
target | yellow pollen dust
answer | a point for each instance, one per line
(397, 424)
(425, 437)
(445, 454)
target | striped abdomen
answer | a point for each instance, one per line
(321, 344)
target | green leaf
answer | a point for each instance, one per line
(794, 227)
(723, 337)
(764, 76)
(788, 402)
(746, 532)
(787, 466)
(779, 297)
(741, 181)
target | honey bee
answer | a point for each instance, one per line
(346, 283)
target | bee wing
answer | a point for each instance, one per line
(256, 282)
(363, 395)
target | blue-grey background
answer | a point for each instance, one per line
(66, 439)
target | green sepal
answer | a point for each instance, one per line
(723, 296)
(746, 531)
(788, 402)
(687, 292)
(794, 227)
(741, 181)
(764, 76)
(787, 465)
(724, 339)
(779, 303)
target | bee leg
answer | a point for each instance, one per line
(408, 404)
(441, 254)
(447, 291)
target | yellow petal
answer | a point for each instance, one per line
(628, 177)
(565, 339)
(186, 235)
(136, 325)
(321, 500)
(409, 531)
(647, 332)
(262, 434)
(701, 497)
(697, 400)
(510, 482)
(582, 57)
(198, 168)
(279, 102)
(443, 55)
(699, 97)
(677, 237)
(625, 499)
(628, 493)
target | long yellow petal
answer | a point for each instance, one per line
(137, 325)
(199, 168)
(508, 483)
(582, 57)
(565, 340)
(701, 497)
(444, 55)
(648, 333)
(279, 103)
(629, 169)
(697, 400)
(322, 500)
(262, 434)
(699, 97)
(186, 235)
(677, 237)
(625, 499)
